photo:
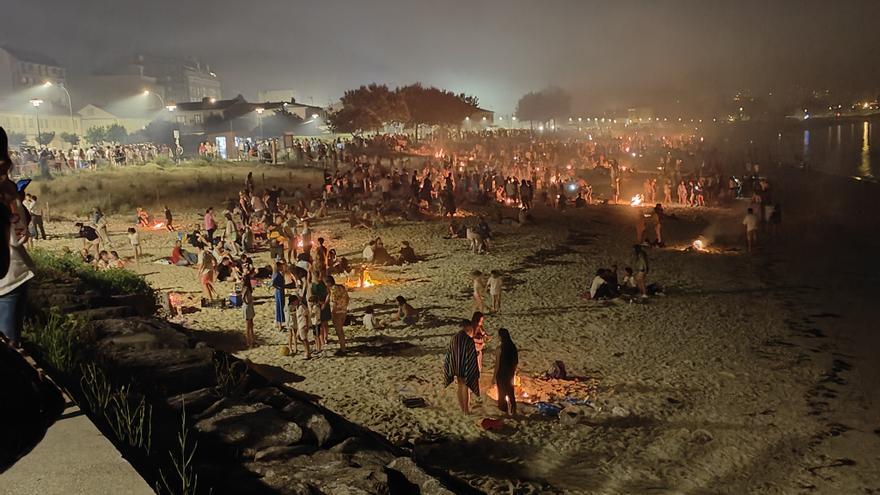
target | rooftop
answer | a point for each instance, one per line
(30, 56)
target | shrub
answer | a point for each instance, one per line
(114, 281)
(59, 341)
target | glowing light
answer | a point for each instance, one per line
(699, 245)
(47, 84)
(636, 200)
(158, 225)
(36, 102)
(314, 116)
(171, 108)
(260, 110)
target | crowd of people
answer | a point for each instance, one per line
(495, 173)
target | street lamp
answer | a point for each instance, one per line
(260, 111)
(36, 102)
(48, 84)
(147, 92)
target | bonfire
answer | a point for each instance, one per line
(533, 390)
(636, 200)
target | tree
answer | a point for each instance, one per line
(433, 106)
(549, 103)
(96, 135)
(16, 138)
(116, 133)
(72, 139)
(368, 108)
(44, 138)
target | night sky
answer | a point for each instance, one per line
(604, 52)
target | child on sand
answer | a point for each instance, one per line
(298, 325)
(115, 261)
(371, 321)
(479, 290)
(751, 223)
(405, 311)
(494, 284)
(169, 219)
(135, 240)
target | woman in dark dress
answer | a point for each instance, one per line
(506, 362)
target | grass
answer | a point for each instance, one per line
(130, 418)
(60, 342)
(230, 375)
(184, 480)
(114, 281)
(191, 186)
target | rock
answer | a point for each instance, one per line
(620, 412)
(270, 396)
(426, 484)
(195, 402)
(250, 427)
(571, 415)
(320, 428)
(283, 452)
(701, 436)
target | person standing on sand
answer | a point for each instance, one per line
(321, 315)
(479, 291)
(460, 366)
(659, 217)
(338, 309)
(247, 308)
(480, 336)
(640, 264)
(206, 275)
(169, 219)
(640, 227)
(278, 287)
(210, 224)
(751, 223)
(506, 361)
(494, 285)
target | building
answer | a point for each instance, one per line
(96, 116)
(23, 69)
(109, 89)
(20, 117)
(481, 116)
(176, 79)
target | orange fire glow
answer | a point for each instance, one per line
(365, 280)
(636, 200)
(158, 225)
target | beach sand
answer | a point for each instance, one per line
(714, 388)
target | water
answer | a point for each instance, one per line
(848, 148)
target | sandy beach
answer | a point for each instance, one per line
(721, 386)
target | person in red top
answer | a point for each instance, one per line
(210, 224)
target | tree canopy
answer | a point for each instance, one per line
(541, 106)
(369, 108)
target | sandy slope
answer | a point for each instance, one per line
(713, 375)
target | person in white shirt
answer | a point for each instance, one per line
(299, 324)
(751, 223)
(494, 284)
(371, 321)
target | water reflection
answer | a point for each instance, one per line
(865, 165)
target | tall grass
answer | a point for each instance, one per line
(129, 417)
(115, 281)
(60, 341)
(183, 480)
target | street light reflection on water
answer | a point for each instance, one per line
(865, 165)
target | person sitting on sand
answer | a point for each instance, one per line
(102, 263)
(371, 321)
(405, 312)
(506, 362)
(628, 284)
(180, 257)
(115, 262)
(456, 230)
(368, 252)
(407, 254)
(460, 366)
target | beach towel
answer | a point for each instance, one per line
(461, 361)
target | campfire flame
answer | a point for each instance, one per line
(158, 225)
(699, 245)
(366, 281)
(636, 200)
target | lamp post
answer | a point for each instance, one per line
(69, 103)
(36, 102)
(147, 92)
(260, 111)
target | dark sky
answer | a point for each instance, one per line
(603, 52)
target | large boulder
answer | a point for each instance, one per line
(427, 484)
(249, 427)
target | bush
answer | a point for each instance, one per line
(114, 281)
(59, 342)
